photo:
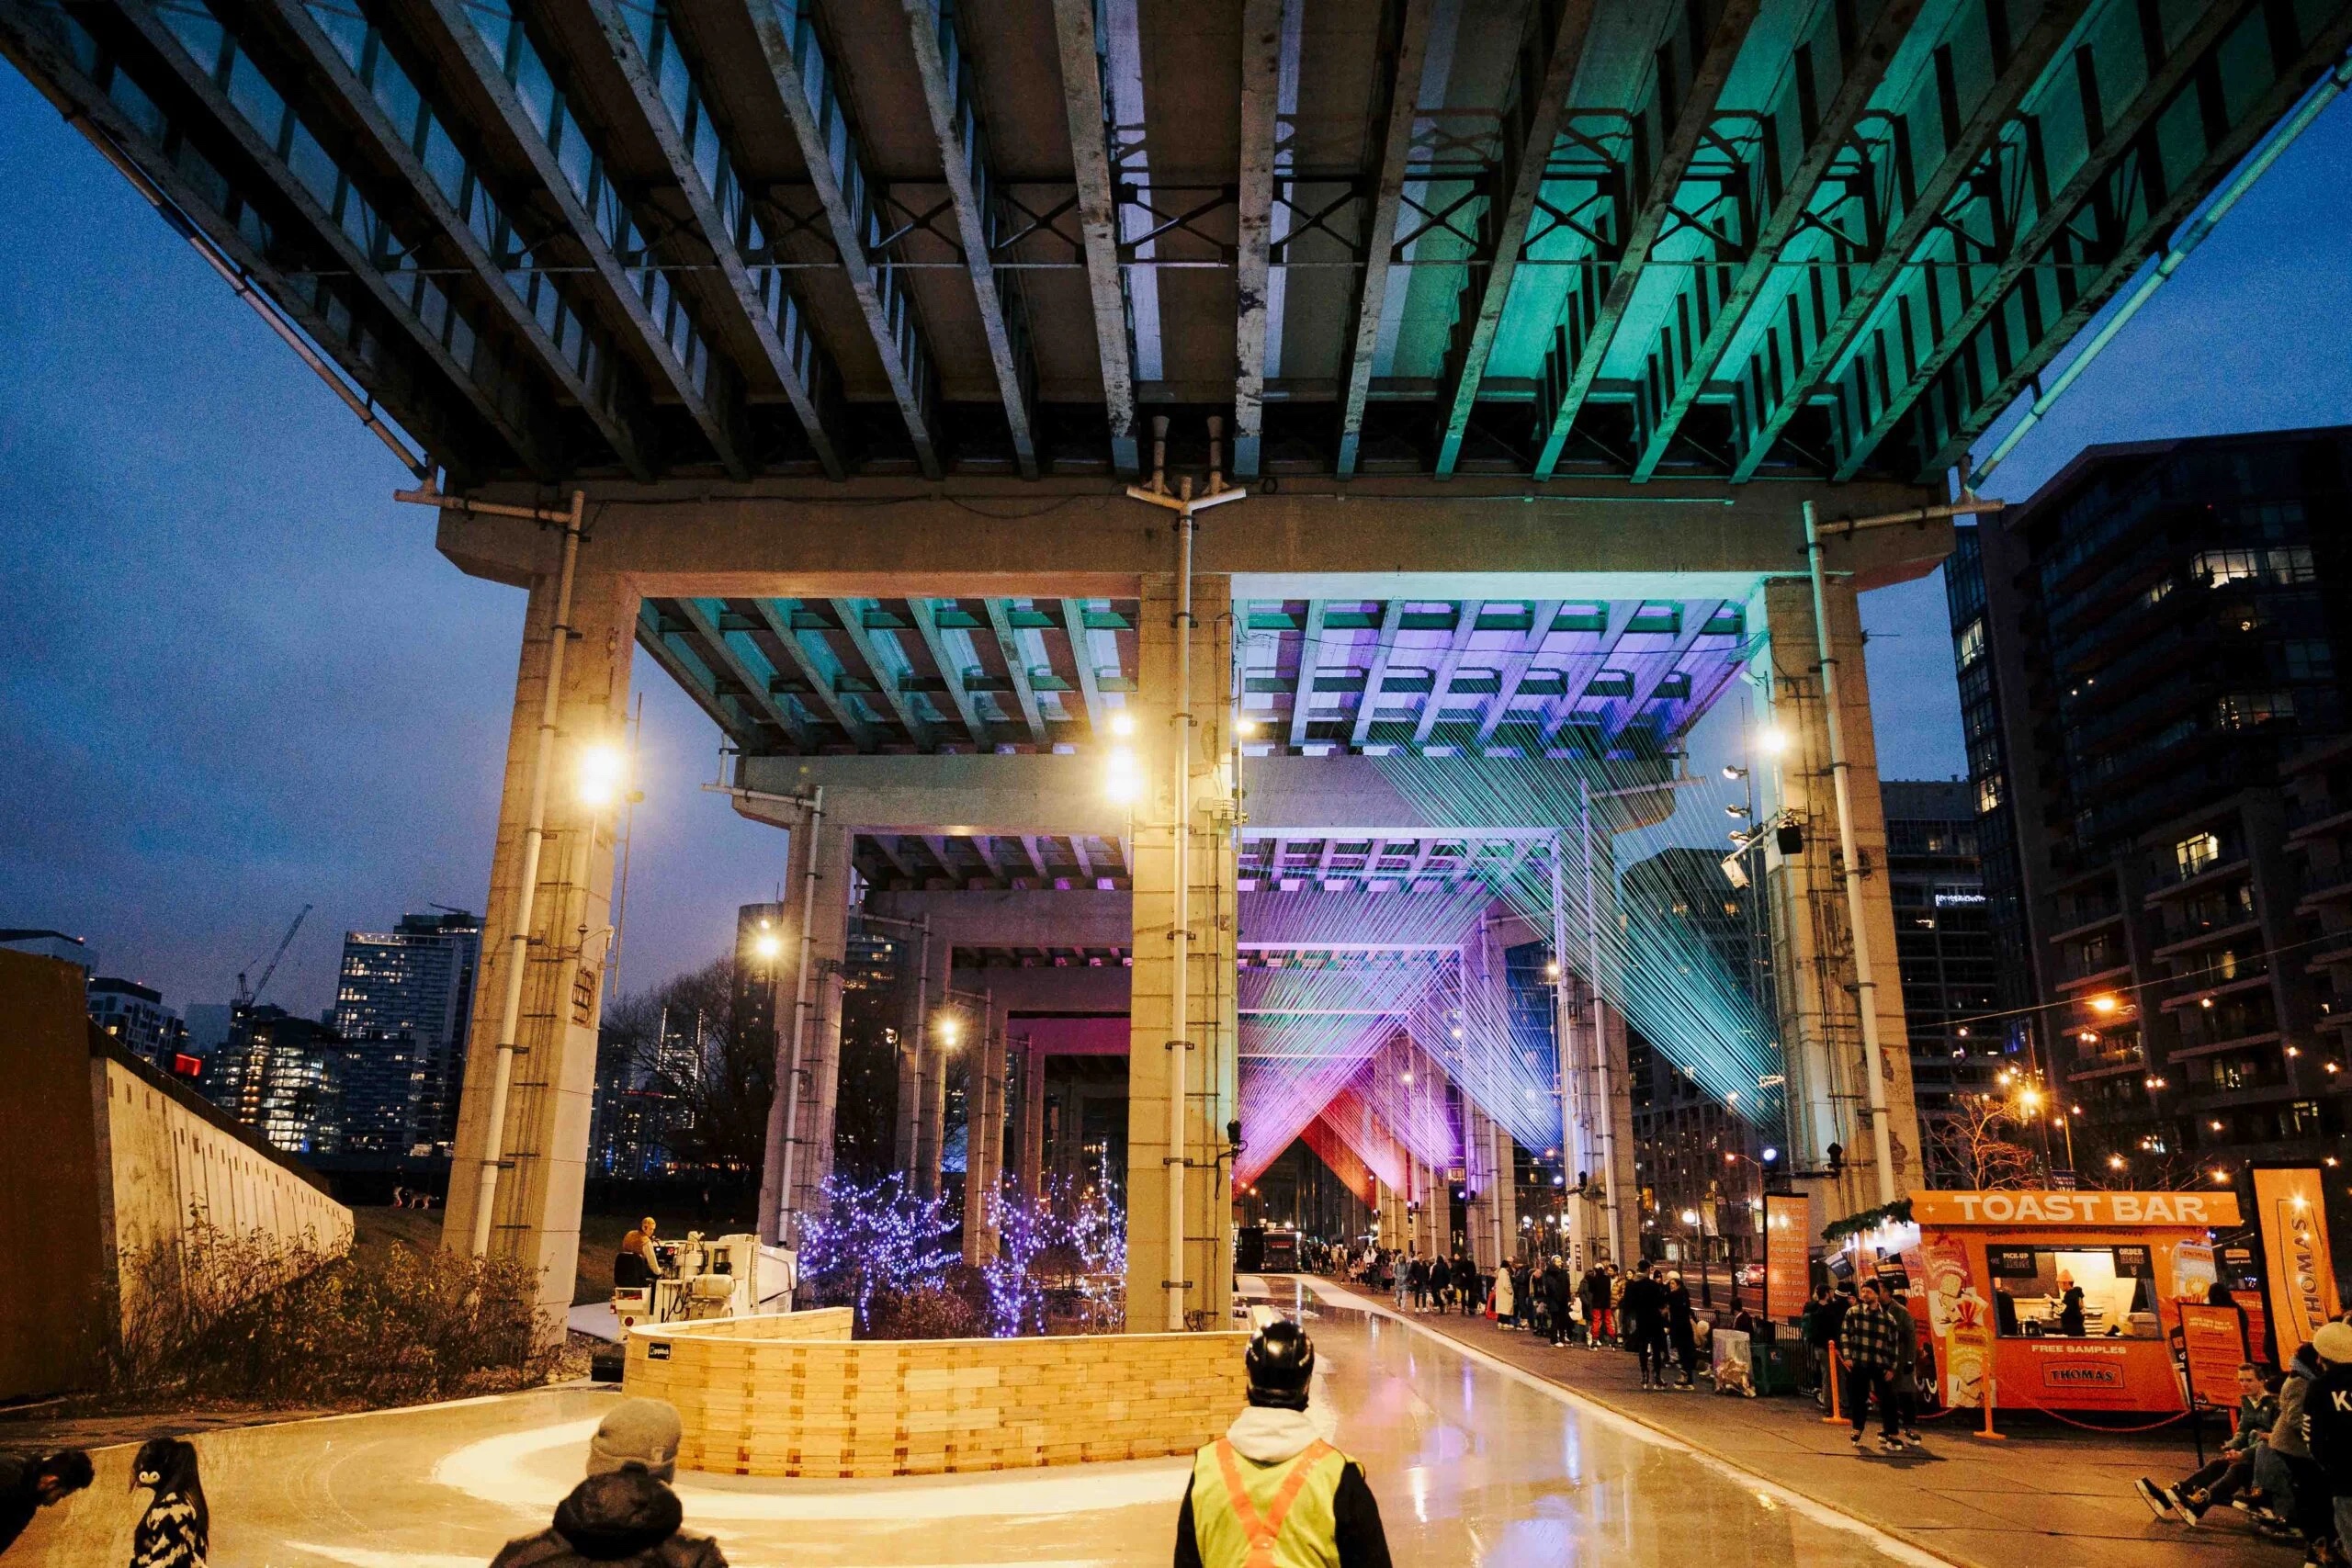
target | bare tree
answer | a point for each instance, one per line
(679, 1041)
(1975, 1141)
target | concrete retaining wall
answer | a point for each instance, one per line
(792, 1394)
(101, 1154)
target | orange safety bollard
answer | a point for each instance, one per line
(1989, 1434)
(1833, 1417)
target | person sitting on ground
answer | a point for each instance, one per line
(1271, 1490)
(2296, 1487)
(624, 1512)
(29, 1484)
(2231, 1471)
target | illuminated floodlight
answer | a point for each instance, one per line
(602, 768)
(950, 1029)
(2104, 1005)
(767, 945)
(1772, 741)
(1122, 778)
(1123, 722)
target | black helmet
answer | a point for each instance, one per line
(1281, 1359)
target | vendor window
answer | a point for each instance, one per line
(2094, 1292)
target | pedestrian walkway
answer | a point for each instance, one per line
(2049, 1497)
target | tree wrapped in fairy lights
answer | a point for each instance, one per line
(875, 1240)
(1069, 1244)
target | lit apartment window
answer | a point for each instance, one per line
(2194, 854)
(1972, 643)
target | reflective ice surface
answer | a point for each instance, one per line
(1472, 1465)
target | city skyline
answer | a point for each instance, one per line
(216, 722)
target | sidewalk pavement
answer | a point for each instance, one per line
(2051, 1496)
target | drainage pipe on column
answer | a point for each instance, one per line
(1572, 1136)
(1608, 1096)
(812, 823)
(518, 941)
(1180, 1042)
(1865, 978)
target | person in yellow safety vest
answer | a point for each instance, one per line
(1272, 1493)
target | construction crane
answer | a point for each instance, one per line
(247, 996)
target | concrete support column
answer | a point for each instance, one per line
(931, 1064)
(1505, 1180)
(1199, 1067)
(913, 1010)
(1812, 964)
(984, 1142)
(543, 1144)
(808, 1074)
(1032, 1169)
(1626, 1243)
(1479, 1133)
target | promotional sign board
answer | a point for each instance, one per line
(2298, 1274)
(2092, 1208)
(1787, 1276)
(2213, 1344)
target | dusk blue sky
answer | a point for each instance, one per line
(235, 677)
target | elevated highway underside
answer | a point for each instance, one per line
(1530, 328)
(1537, 239)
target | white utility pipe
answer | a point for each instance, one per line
(1608, 1096)
(1573, 1138)
(1180, 1042)
(518, 942)
(812, 823)
(1865, 977)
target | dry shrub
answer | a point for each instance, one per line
(927, 1312)
(214, 1315)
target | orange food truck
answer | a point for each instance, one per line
(2069, 1299)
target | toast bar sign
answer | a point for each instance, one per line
(2077, 1208)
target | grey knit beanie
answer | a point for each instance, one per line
(637, 1431)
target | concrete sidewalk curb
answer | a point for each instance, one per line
(1805, 1501)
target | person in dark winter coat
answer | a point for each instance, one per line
(1599, 1322)
(1465, 1284)
(176, 1531)
(1681, 1330)
(624, 1512)
(624, 1516)
(1644, 1306)
(2283, 1467)
(28, 1484)
(1557, 1292)
(2327, 1420)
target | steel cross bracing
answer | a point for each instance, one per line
(669, 98)
(805, 81)
(642, 239)
(112, 89)
(872, 676)
(1692, 69)
(208, 59)
(2187, 140)
(501, 60)
(369, 85)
